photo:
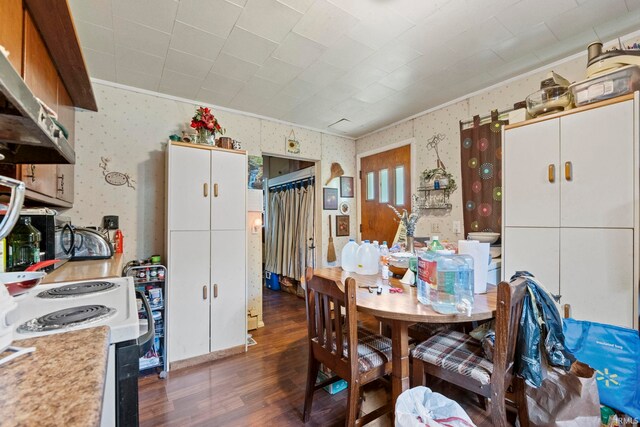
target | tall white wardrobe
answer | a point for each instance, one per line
(570, 201)
(206, 251)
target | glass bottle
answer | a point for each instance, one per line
(23, 245)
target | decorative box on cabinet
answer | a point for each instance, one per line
(206, 248)
(570, 208)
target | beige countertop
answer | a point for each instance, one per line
(86, 270)
(60, 384)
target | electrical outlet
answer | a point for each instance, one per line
(435, 227)
(111, 222)
(456, 227)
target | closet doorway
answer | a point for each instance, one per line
(289, 221)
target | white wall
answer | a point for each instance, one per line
(446, 120)
(132, 128)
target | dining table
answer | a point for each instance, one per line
(401, 310)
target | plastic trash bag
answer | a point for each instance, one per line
(420, 407)
(540, 340)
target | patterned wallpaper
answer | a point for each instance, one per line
(131, 129)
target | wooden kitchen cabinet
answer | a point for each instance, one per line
(206, 216)
(570, 206)
(65, 173)
(11, 30)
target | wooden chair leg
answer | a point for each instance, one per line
(417, 379)
(312, 375)
(352, 403)
(521, 402)
(498, 409)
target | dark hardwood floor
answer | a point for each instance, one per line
(264, 386)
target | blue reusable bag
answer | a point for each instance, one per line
(614, 353)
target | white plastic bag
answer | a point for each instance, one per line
(420, 407)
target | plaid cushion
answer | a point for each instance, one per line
(428, 330)
(456, 352)
(373, 350)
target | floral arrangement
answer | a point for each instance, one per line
(439, 173)
(205, 120)
(409, 220)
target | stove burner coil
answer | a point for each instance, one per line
(68, 317)
(77, 289)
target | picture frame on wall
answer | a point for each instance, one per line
(346, 187)
(330, 199)
(342, 225)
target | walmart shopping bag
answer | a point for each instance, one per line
(614, 353)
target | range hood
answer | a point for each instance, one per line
(27, 133)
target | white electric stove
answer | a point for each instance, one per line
(63, 307)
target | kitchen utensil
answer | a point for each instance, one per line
(336, 171)
(42, 264)
(331, 250)
(484, 236)
(19, 282)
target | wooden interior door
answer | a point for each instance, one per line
(385, 179)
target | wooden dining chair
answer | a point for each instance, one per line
(458, 358)
(332, 338)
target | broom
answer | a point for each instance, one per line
(331, 250)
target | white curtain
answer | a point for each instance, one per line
(289, 228)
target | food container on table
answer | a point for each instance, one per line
(615, 83)
(548, 100)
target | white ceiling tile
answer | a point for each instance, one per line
(346, 53)
(620, 26)
(101, 65)
(321, 74)
(247, 102)
(260, 88)
(240, 3)
(223, 85)
(324, 23)
(516, 67)
(234, 68)
(300, 89)
(338, 91)
(567, 47)
(139, 61)
(99, 12)
(401, 78)
(349, 107)
(95, 37)
(374, 93)
(362, 9)
(392, 56)
(141, 38)
(213, 16)
(380, 29)
(186, 38)
(362, 76)
(248, 46)
(588, 14)
(210, 97)
(520, 16)
(185, 63)
(137, 79)
(278, 71)
(269, 19)
(632, 5)
(431, 64)
(483, 35)
(299, 51)
(284, 102)
(536, 37)
(178, 84)
(416, 11)
(300, 5)
(481, 61)
(157, 14)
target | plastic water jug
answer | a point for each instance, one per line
(349, 256)
(367, 259)
(427, 279)
(464, 289)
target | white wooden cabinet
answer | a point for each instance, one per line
(206, 251)
(570, 208)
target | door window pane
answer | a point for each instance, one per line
(384, 186)
(400, 185)
(371, 192)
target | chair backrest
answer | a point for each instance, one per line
(510, 300)
(328, 329)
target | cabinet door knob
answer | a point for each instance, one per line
(215, 190)
(215, 290)
(32, 173)
(61, 180)
(552, 173)
(568, 171)
(205, 189)
(204, 292)
(566, 311)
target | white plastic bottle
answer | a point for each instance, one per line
(376, 246)
(384, 254)
(367, 259)
(349, 256)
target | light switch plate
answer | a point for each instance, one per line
(456, 227)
